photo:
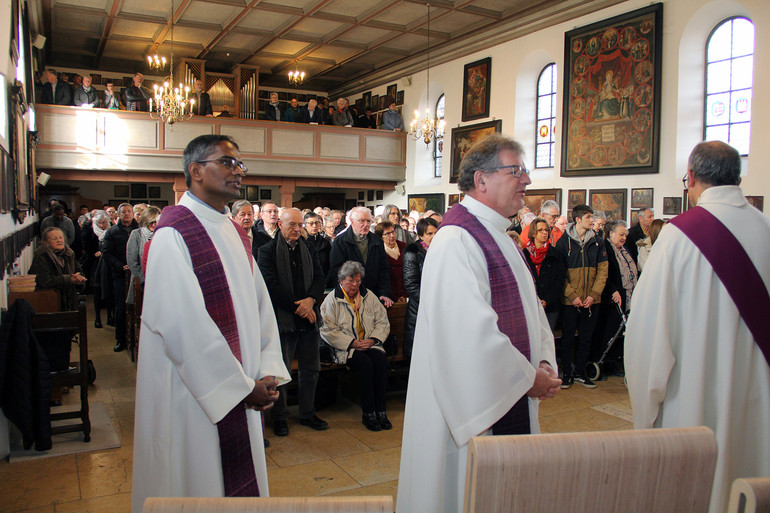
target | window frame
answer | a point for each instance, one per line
(551, 120)
(438, 160)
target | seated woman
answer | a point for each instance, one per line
(394, 249)
(547, 268)
(414, 256)
(356, 324)
(55, 267)
(148, 220)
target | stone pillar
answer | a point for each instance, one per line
(179, 188)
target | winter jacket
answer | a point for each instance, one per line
(377, 278)
(414, 258)
(550, 282)
(586, 264)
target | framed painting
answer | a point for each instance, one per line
(534, 198)
(612, 95)
(464, 137)
(400, 98)
(367, 98)
(383, 102)
(379, 118)
(121, 191)
(153, 191)
(392, 93)
(610, 201)
(376, 102)
(634, 218)
(424, 202)
(641, 198)
(252, 192)
(576, 197)
(138, 190)
(672, 206)
(378, 194)
(454, 198)
(477, 83)
(370, 195)
(265, 194)
(757, 202)
(361, 195)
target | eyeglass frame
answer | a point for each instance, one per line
(686, 180)
(518, 172)
(234, 162)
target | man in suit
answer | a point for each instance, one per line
(56, 92)
(202, 105)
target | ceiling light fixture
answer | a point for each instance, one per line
(156, 63)
(171, 103)
(427, 128)
(296, 77)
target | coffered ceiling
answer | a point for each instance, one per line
(340, 44)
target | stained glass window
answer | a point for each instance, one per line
(546, 117)
(438, 142)
(729, 66)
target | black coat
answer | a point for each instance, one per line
(550, 282)
(25, 380)
(259, 238)
(63, 94)
(614, 279)
(322, 248)
(377, 276)
(634, 234)
(203, 107)
(115, 241)
(137, 98)
(48, 275)
(414, 258)
(316, 117)
(273, 113)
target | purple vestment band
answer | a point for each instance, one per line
(506, 302)
(235, 448)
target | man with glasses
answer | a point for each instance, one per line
(639, 232)
(320, 245)
(483, 351)
(359, 244)
(550, 211)
(210, 357)
(697, 350)
(267, 226)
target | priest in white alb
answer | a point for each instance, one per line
(210, 354)
(698, 339)
(483, 351)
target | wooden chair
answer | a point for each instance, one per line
(270, 505)
(68, 322)
(645, 471)
(750, 496)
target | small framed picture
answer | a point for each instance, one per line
(672, 206)
(378, 195)
(576, 197)
(392, 93)
(634, 217)
(375, 102)
(122, 191)
(265, 194)
(153, 191)
(641, 198)
(370, 195)
(138, 190)
(252, 193)
(361, 195)
(757, 202)
(400, 98)
(96, 79)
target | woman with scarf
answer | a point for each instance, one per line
(93, 240)
(394, 249)
(621, 280)
(414, 257)
(135, 245)
(356, 324)
(547, 268)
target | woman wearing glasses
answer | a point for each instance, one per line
(547, 268)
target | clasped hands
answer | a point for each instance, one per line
(362, 345)
(263, 395)
(77, 278)
(579, 303)
(305, 309)
(547, 382)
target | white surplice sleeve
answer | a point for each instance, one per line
(193, 343)
(481, 375)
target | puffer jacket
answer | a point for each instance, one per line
(338, 322)
(586, 263)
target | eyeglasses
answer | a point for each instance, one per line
(228, 162)
(686, 181)
(388, 234)
(516, 170)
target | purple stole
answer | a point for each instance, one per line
(734, 269)
(506, 302)
(235, 448)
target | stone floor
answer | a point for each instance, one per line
(345, 460)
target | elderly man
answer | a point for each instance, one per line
(705, 360)
(136, 95)
(56, 92)
(202, 106)
(342, 115)
(113, 213)
(497, 335)
(243, 215)
(311, 113)
(60, 220)
(550, 212)
(114, 254)
(85, 95)
(361, 245)
(211, 355)
(338, 216)
(639, 231)
(274, 109)
(295, 282)
(267, 226)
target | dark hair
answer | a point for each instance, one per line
(484, 156)
(580, 210)
(382, 226)
(533, 226)
(422, 225)
(58, 207)
(715, 163)
(309, 215)
(200, 148)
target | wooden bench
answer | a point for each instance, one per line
(269, 505)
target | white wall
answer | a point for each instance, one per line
(515, 68)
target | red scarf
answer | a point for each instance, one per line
(537, 255)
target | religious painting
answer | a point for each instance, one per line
(757, 202)
(383, 102)
(138, 190)
(252, 192)
(463, 138)
(361, 195)
(424, 202)
(534, 198)
(121, 191)
(641, 198)
(454, 198)
(376, 102)
(400, 98)
(672, 206)
(265, 194)
(612, 95)
(610, 201)
(378, 195)
(392, 92)
(477, 83)
(367, 98)
(634, 217)
(576, 197)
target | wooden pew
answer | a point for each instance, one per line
(270, 505)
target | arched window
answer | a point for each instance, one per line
(546, 117)
(438, 142)
(729, 65)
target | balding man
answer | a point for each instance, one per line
(639, 231)
(359, 244)
(295, 281)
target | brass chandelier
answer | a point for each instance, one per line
(296, 77)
